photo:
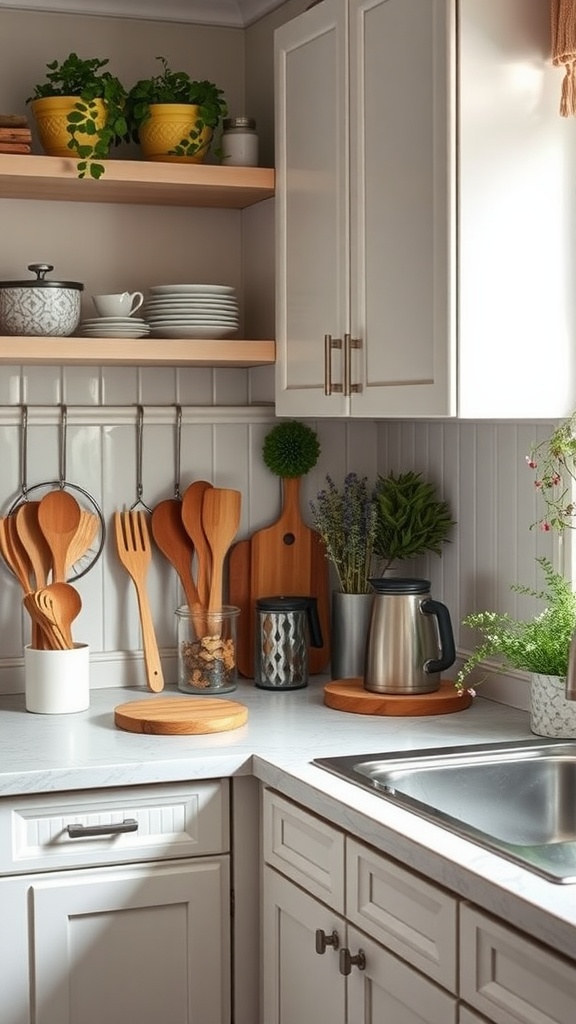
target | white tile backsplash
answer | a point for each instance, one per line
(478, 467)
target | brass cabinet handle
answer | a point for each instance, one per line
(329, 344)
(349, 344)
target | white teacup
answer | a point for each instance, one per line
(119, 304)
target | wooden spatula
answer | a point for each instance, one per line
(221, 509)
(135, 553)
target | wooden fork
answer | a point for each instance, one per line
(135, 553)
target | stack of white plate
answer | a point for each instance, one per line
(192, 311)
(114, 327)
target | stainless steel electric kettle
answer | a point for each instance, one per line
(410, 639)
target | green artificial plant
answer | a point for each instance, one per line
(291, 449)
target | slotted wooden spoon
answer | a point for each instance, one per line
(192, 501)
(59, 518)
(221, 509)
(135, 553)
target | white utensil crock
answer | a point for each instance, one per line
(57, 682)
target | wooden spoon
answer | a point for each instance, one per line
(192, 500)
(61, 603)
(59, 518)
(175, 544)
(45, 636)
(221, 509)
(13, 553)
(34, 542)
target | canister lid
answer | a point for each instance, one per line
(282, 604)
(248, 123)
(40, 269)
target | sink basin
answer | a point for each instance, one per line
(518, 799)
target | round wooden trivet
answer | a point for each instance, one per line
(350, 695)
(180, 716)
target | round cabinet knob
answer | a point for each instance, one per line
(347, 961)
(323, 940)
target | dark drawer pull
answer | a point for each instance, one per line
(84, 831)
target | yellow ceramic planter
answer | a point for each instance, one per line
(50, 114)
(168, 125)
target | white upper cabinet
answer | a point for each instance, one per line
(423, 212)
(363, 191)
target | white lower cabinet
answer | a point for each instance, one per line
(116, 933)
(353, 937)
(510, 978)
(318, 966)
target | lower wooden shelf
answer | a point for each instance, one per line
(136, 352)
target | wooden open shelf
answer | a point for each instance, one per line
(134, 181)
(136, 351)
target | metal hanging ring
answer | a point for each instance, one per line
(61, 484)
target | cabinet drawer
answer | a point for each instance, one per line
(407, 914)
(510, 978)
(180, 820)
(304, 848)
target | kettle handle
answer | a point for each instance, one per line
(315, 629)
(431, 607)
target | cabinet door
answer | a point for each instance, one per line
(402, 207)
(299, 985)
(147, 944)
(388, 990)
(312, 294)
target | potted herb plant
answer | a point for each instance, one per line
(539, 646)
(173, 117)
(80, 108)
(410, 519)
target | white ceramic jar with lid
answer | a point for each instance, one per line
(239, 142)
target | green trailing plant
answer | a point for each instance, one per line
(410, 518)
(554, 461)
(85, 79)
(540, 644)
(291, 449)
(346, 521)
(176, 87)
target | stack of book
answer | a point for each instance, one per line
(15, 134)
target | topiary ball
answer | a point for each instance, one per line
(291, 449)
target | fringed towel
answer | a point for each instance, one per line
(563, 14)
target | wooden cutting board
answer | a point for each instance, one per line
(285, 559)
(350, 695)
(180, 716)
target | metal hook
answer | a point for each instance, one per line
(139, 449)
(177, 494)
(62, 453)
(24, 453)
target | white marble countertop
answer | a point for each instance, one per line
(284, 732)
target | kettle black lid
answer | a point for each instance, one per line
(399, 585)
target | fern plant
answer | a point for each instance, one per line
(541, 644)
(410, 518)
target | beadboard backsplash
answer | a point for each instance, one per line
(478, 467)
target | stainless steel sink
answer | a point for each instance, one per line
(518, 799)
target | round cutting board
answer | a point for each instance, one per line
(180, 716)
(350, 695)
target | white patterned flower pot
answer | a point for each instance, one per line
(550, 713)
